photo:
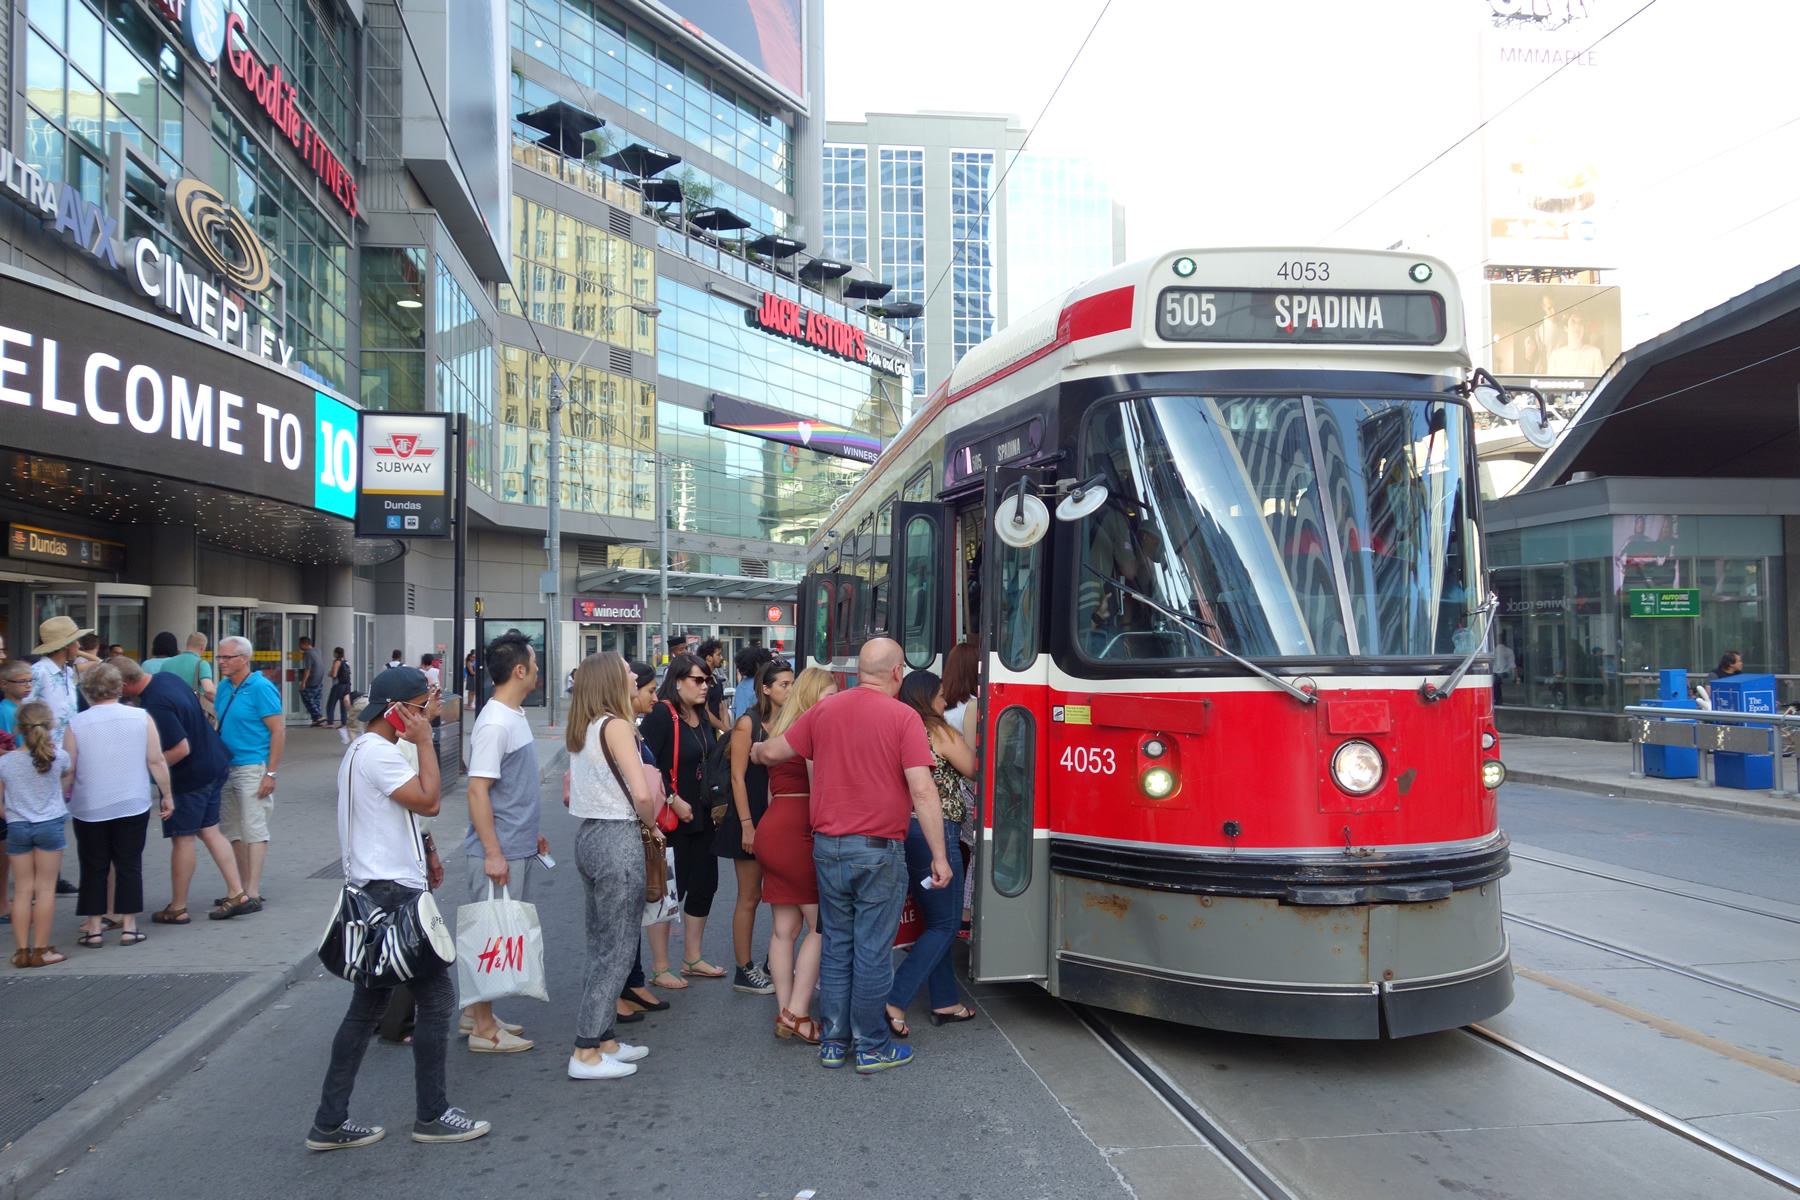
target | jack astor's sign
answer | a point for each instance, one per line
(276, 94)
(792, 320)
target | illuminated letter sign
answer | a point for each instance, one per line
(790, 320)
(276, 94)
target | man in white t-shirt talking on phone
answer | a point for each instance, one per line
(503, 842)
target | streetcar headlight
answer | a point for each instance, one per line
(1184, 267)
(1357, 768)
(1488, 739)
(1158, 783)
(1493, 774)
(1420, 273)
(1155, 748)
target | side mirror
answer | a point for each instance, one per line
(1020, 519)
(1084, 500)
(1492, 395)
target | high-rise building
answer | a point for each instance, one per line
(948, 209)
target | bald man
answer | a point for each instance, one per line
(871, 772)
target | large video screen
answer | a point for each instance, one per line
(1563, 330)
(765, 33)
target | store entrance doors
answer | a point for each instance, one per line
(276, 636)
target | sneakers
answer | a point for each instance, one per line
(894, 1056)
(454, 1126)
(833, 1055)
(502, 1043)
(629, 1053)
(344, 1136)
(755, 980)
(607, 1068)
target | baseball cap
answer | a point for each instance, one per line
(395, 684)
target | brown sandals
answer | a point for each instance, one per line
(170, 915)
(36, 956)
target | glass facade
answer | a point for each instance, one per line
(576, 276)
(605, 57)
(1059, 228)
(393, 328)
(846, 204)
(1565, 606)
(465, 372)
(971, 233)
(608, 437)
(903, 240)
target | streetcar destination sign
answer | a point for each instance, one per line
(1190, 314)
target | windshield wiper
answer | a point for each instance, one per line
(1429, 693)
(1300, 694)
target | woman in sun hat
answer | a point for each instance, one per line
(53, 677)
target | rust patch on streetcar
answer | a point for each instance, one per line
(1112, 903)
(1196, 923)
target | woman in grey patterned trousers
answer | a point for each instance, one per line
(608, 791)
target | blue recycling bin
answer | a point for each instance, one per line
(1744, 694)
(1671, 762)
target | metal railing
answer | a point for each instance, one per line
(1710, 733)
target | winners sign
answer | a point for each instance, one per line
(403, 488)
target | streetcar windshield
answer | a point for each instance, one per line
(1278, 526)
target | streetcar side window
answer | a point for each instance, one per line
(821, 638)
(919, 486)
(878, 573)
(1020, 588)
(918, 599)
(1015, 763)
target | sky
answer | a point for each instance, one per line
(1275, 122)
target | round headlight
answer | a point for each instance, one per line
(1357, 768)
(1158, 783)
(1155, 748)
(1488, 739)
(1493, 774)
(1420, 272)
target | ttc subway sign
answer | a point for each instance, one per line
(403, 484)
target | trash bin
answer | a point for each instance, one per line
(1671, 762)
(1744, 694)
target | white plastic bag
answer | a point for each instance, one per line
(499, 950)
(657, 912)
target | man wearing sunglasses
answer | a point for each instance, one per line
(252, 727)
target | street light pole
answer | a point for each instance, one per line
(553, 543)
(662, 550)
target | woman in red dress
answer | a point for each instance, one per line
(784, 847)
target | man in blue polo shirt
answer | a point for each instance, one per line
(250, 724)
(197, 762)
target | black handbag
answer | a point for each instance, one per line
(376, 947)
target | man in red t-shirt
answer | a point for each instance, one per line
(871, 766)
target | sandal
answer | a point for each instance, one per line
(22, 956)
(91, 941)
(962, 1012)
(898, 1026)
(170, 915)
(107, 924)
(131, 937)
(40, 957)
(787, 1025)
(667, 980)
(691, 967)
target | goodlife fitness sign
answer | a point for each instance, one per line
(275, 93)
(802, 324)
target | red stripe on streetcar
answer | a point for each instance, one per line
(1092, 316)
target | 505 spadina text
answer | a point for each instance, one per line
(145, 400)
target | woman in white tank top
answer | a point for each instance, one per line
(118, 756)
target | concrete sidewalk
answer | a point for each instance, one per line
(53, 1107)
(1604, 768)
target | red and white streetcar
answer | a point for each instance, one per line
(1213, 520)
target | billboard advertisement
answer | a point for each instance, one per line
(766, 34)
(1645, 553)
(1544, 148)
(728, 412)
(1556, 337)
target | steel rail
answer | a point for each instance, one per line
(1652, 961)
(1755, 912)
(1190, 1114)
(1650, 1113)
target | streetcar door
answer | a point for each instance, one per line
(919, 607)
(1011, 928)
(818, 606)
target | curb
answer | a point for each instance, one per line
(1701, 798)
(34, 1161)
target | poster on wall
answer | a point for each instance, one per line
(1645, 554)
(1554, 333)
(767, 34)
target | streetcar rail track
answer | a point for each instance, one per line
(1652, 961)
(1743, 908)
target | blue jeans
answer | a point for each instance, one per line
(861, 890)
(929, 959)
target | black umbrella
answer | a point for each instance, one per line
(564, 126)
(897, 310)
(825, 268)
(639, 159)
(776, 246)
(866, 289)
(658, 191)
(719, 220)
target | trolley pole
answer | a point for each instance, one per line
(553, 543)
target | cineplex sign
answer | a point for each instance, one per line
(802, 324)
(82, 378)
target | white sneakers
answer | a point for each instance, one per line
(610, 1066)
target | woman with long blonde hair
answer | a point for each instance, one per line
(33, 777)
(784, 847)
(608, 791)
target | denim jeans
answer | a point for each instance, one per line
(338, 703)
(861, 890)
(929, 959)
(435, 995)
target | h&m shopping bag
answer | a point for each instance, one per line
(499, 950)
